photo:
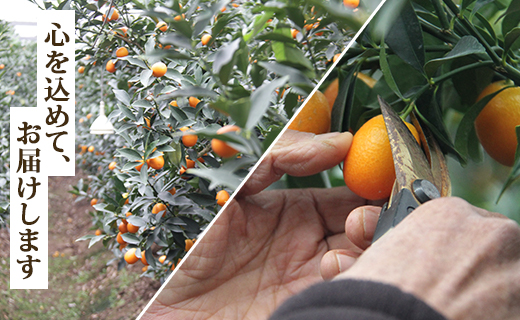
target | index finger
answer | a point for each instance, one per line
(298, 154)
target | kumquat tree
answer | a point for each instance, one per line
(17, 83)
(196, 91)
(455, 65)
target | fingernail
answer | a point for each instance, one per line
(344, 261)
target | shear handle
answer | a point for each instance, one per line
(402, 205)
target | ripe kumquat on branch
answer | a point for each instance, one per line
(114, 16)
(222, 197)
(121, 52)
(156, 163)
(143, 258)
(111, 67)
(119, 238)
(112, 165)
(369, 166)
(130, 256)
(159, 207)
(193, 102)
(159, 69)
(123, 227)
(189, 244)
(189, 140)
(162, 26)
(138, 167)
(131, 228)
(315, 115)
(205, 39)
(220, 147)
(351, 3)
(495, 125)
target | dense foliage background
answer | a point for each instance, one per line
(262, 60)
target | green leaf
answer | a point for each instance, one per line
(295, 15)
(274, 132)
(514, 174)
(223, 63)
(405, 38)
(511, 17)
(95, 240)
(204, 18)
(218, 177)
(428, 109)
(290, 102)
(259, 25)
(122, 96)
(136, 62)
(340, 111)
(142, 103)
(467, 45)
(127, 112)
(130, 154)
(176, 39)
(466, 4)
(296, 77)
(130, 238)
(146, 77)
(297, 58)
(187, 92)
(136, 221)
(489, 28)
(257, 74)
(175, 156)
(276, 36)
(149, 45)
(511, 37)
(87, 237)
(469, 83)
(202, 199)
(260, 102)
(337, 11)
(385, 68)
(238, 110)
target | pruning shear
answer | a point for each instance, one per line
(421, 173)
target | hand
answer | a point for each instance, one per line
(461, 260)
(266, 246)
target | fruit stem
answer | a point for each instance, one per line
(409, 108)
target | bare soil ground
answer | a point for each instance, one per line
(81, 285)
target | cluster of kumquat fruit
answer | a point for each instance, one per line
(368, 169)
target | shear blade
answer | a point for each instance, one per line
(409, 160)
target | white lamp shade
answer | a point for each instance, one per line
(102, 125)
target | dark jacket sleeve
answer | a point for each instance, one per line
(355, 300)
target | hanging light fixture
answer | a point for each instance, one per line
(102, 125)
